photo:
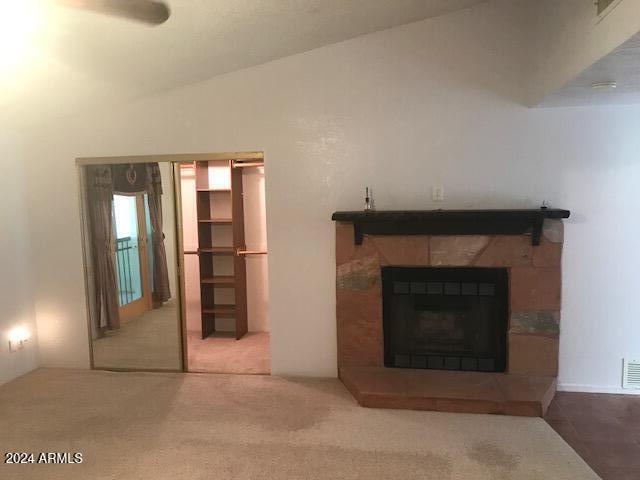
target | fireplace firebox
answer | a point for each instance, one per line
(445, 318)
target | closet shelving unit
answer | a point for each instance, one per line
(219, 205)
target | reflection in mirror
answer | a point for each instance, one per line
(133, 297)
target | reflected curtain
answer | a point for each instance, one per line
(100, 196)
(161, 291)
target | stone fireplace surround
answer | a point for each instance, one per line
(532, 337)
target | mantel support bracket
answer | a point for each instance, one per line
(358, 233)
(536, 232)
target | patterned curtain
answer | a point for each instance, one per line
(102, 182)
(145, 177)
(100, 196)
(161, 291)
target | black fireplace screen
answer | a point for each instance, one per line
(445, 318)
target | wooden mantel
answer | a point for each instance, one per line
(449, 222)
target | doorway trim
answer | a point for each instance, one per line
(177, 157)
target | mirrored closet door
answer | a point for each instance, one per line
(130, 245)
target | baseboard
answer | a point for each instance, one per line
(574, 387)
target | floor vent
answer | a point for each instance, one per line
(630, 373)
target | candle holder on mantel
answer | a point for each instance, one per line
(368, 200)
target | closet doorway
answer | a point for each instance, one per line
(224, 254)
(175, 254)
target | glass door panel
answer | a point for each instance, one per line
(127, 251)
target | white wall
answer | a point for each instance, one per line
(431, 103)
(16, 308)
(255, 231)
(190, 242)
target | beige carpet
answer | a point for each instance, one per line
(202, 426)
(220, 354)
(151, 341)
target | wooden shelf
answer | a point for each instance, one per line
(450, 222)
(220, 280)
(216, 221)
(218, 250)
(214, 210)
(221, 309)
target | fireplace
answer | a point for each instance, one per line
(451, 310)
(445, 318)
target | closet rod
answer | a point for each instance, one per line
(247, 164)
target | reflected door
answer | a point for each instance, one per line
(132, 259)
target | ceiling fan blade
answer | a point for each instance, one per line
(148, 11)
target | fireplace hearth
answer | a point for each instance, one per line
(445, 318)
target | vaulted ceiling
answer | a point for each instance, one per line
(84, 59)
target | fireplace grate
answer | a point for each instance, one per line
(444, 288)
(445, 318)
(442, 362)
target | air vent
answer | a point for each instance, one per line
(630, 373)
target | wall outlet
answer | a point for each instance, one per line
(437, 193)
(17, 338)
(14, 345)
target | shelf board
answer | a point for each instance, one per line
(450, 222)
(220, 280)
(216, 221)
(221, 309)
(218, 250)
(213, 189)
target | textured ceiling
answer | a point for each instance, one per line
(622, 66)
(85, 59)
